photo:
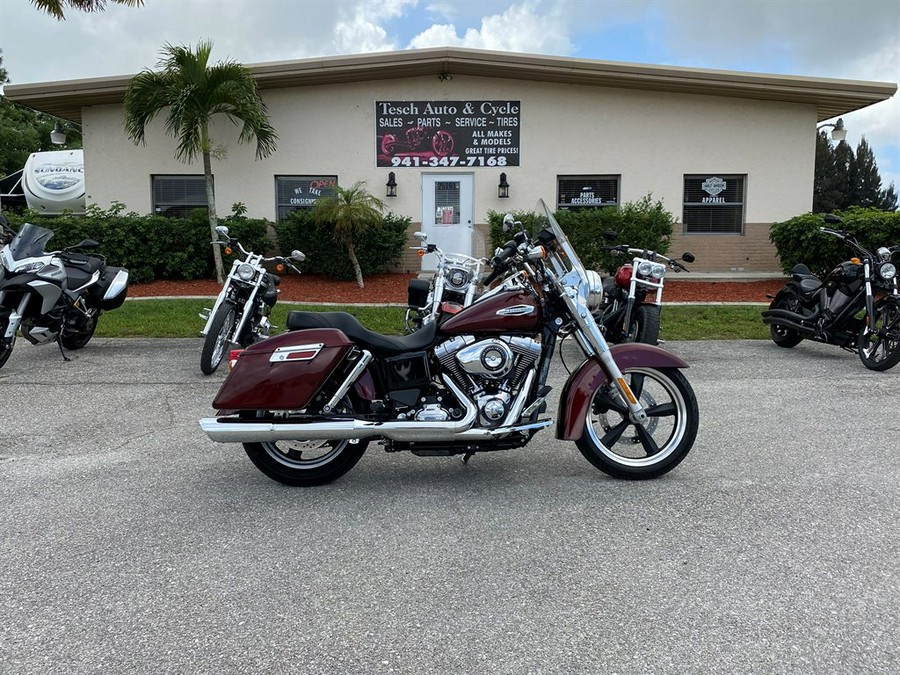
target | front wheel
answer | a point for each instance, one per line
(645, 325)
(617, 446)
(879, 349)
(217, 338)
(6, 347)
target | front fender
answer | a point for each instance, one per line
(575, 397)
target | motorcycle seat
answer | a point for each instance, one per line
(378, 344)
(80, 270)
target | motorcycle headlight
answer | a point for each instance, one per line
(645, 269)
(245, 272)
(658, 271)
(592, 289)
(887, 271)
(457, 278)
(884, 253)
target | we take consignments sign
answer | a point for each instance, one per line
(447, 133)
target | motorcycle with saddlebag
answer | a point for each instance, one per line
(53, 296)
(305, 404)
(856, 306)
(241, 312)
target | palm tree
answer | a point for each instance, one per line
(351, 211)
(192, 92)
(56, 7)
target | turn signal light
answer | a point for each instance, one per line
(279, 268)
(227, 250)
(420, 253)
(233, 356)
(856, 261)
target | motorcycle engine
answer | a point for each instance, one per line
(490, 371)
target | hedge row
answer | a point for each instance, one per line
(640, 224)
(151, 247)
(378, 249)
(800, 240)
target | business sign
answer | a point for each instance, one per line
(447, 133)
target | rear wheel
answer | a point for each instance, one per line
(787, 299)
(617, 446)
(645, 325)
(216, 343)
(302, 463)
(78, 337)
(880, 349)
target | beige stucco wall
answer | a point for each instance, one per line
(651, 139)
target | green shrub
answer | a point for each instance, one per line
(150, 246)
(378, 249)
(640, 224)
(799, 240)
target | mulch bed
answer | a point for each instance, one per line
(391, 289)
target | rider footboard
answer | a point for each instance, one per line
(283, 372)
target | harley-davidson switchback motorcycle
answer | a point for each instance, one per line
(53, 296)
(856, 306)
(306, 403)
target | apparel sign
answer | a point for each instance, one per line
(447, 133)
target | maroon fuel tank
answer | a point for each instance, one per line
(513, 311)
(283, 372)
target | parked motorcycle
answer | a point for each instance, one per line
(241, 312)
(53, 296)
(856, 306)
(632, 297)
(306, 403)
(452, 287)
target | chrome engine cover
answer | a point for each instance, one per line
(490, 358)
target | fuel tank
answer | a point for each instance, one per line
(513, 311)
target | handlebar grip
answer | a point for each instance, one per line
(485, 281)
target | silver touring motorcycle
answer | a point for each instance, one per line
(53, 296)
(307, 403)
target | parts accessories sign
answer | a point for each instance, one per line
(447, 133)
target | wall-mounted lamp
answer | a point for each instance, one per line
(838, 132)
(391, 185)
(58, 136)
(503, 187)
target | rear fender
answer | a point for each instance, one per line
(576, 395)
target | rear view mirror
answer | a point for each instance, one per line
(688, 257)
(221, 229)
(421, 236)
(297, 256)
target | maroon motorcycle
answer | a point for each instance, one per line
(305, 404)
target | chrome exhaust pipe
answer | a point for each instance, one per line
(407, 430)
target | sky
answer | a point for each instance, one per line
(857, 40)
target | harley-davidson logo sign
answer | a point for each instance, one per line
(713, 185)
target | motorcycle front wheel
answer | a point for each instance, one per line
(876, 350)
(216, 342)
(6, 347)
(300, 463)
(619, 447)
(645, 325)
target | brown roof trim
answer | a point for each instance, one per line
(830, 97)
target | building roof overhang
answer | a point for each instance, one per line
(830, 97)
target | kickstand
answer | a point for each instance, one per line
(467, 457)
(59, 344)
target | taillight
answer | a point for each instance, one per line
(233, 356)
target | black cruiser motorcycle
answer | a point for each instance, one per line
(53, 296)
(856, 306)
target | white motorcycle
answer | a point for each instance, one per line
(241, 312)
(452, 287)
(53, 296)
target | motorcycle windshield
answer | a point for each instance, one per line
(29, 242)
(566, 255)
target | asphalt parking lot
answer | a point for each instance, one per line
(133, 544)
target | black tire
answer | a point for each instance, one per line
(6, 349)
(788, 299)
(73, 340)
(645, 325)
(635, 452)
(216, 344)
(323, 461)
(880, 353)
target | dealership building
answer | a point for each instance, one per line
(446, 135)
